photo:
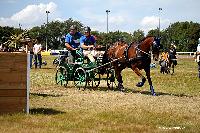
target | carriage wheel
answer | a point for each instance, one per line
(80, 78)
(111, 79)
(96, 81)
(61, 76)
(93, 79)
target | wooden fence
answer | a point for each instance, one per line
(14, 82)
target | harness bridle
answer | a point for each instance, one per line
(149, 55)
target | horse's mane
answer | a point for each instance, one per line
(145, 38)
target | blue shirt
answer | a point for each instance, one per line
(73, 40)
(87, 40)
(90, 40)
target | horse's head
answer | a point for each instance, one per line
(156, 46)
(151, 43)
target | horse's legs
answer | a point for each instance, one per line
(119, 78)
(137, 71)
(147, 70)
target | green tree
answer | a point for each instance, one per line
(54, 32)
(138, 35)
(6, 32)
(184, 34)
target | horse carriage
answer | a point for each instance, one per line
(73, 66)
(116, 58)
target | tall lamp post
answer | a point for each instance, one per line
(20, 27)
(47, 12)
(159, 9)
(107, 11)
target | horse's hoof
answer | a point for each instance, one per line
(154, 94)
(121, 88)
(139, 84)
(152, 91)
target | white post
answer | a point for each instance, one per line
(28, 82)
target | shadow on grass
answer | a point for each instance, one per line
(45, 95)
(45, 111)
(48, 68)
(99, 89)
(159, 93)
(128, 90)
(170, 94)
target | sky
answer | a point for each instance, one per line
(124, 15)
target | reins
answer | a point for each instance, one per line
(105, 64)
(143, 51)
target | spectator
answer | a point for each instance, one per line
(37, 53)
(172, 54)
(29, 48)
(198, 57)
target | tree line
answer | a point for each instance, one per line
(183, 34)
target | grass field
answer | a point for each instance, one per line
(54, 108)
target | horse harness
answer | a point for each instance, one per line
(139, 55)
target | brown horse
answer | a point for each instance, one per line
(135, 56)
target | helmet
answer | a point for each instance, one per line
(73, 27)
(87, 29)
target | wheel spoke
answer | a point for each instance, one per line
(80, 78)
(61, 76)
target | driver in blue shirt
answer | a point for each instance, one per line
(72, 42)
(72, 39)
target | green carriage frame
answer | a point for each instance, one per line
(82, 72)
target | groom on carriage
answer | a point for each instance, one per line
(88, 43)
(89, 47)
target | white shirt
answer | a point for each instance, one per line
(198, 48)
(37, 48)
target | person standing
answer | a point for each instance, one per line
(29, 48)
(37, 49)
(198, 57)
(172, 54)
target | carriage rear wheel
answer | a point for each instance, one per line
(61, 76)
(111, 79)
(80, 78)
